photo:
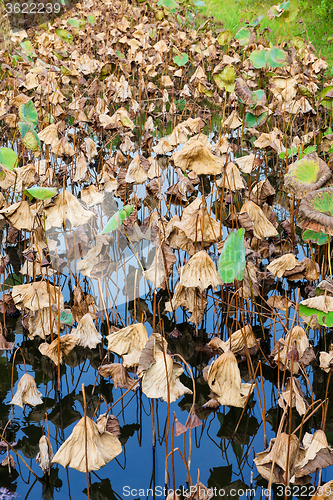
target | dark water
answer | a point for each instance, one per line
(224, 463)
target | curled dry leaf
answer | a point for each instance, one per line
(262, 192)
(237, 341)
(65, 342)
(4, 345)
(262, 228)
(19, 215)
(147, 357)
(297, 396)
(86, 333)
(322, 303)
(199, 492)
(316, 211)
(231, 180)
(154, 380)
(119, 374)
(138, 170)
(212, 404)
(193, 421)
(7, 305)
(27, 392)
(101, 448)
(45, 454)
(161, 267)
(200, 226)
(129, 343)
(279, 302)
(317, 455)
(246, 163)
(326, 360)
(302, 460)
(272, 463)
(225, 381)
(159, 372)
(190, 298)
(108, 423)
(296, 345)
(9, 461)
(179, 428)
(200, 272)
(233, 121)
(41, 323)
(279, 266)
(197, 158)
(65, 206)
(324, 492)
(91, 196)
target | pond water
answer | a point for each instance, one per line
(222, 448)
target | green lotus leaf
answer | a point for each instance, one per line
(168, 4)
(120, 54)
(42, 193)
(314, 237)
(255, 121)
(8, 158)
(323, 202)
(77, 23)
(225, 79)
(256, 21)
(225, 37)
(258, 58)
(232, 258)
(290, 10)
(28, 113)
(181, 60)
(306, 175)
(275, 11)
(24, 127)
(64, 35)
(118, 218)
(324, 319)
(243, 36)
(60, 54)
(290, 152)
(276, 58)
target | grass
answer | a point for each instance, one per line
(314, 21)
